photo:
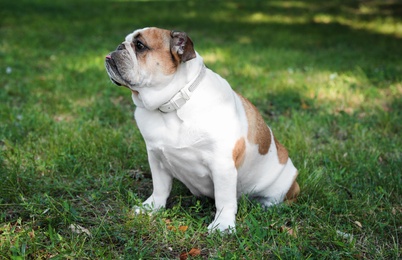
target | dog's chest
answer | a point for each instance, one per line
(181, 149)
(187, 164)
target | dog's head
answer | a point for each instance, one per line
(148, 57)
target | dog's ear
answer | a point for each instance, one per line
(181, 46)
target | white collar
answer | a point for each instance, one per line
(181, 97)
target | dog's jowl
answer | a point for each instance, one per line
(197, 129)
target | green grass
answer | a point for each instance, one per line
(327, 77)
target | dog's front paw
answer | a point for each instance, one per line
(144, 209)
(223, 227)
(149, 206)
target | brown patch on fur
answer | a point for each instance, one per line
(293, 192)
(158, 42)
(283, 154)
(258, 131)
(182, 47)
(239, 152)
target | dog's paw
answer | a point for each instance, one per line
(268, 202)
(223, 228)
(143, 210)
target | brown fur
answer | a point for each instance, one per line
(180, 41)
(159, 51)
(258, 131)
(293, 192)
(239, 152)
(282, 152)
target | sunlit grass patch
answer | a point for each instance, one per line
(260, 17)
(386, 26)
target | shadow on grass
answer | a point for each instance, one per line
(313, 29)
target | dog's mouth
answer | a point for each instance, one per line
(116, 73)
(113, 71)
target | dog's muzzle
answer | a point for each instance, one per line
(119, 65)
(112, 70)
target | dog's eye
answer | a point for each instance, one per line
(139, 46)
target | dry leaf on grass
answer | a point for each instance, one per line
(79, 229)
(193, 252)
(183, 228)
(357, 223)
(183, 256)
(288, 230)
(173, 228)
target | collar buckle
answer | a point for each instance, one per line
(181, 97)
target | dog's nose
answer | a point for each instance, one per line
(120, 47)
(108, 57)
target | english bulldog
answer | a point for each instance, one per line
(197, 129)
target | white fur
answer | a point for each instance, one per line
(195, 143)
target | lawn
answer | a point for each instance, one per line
(326, 75)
